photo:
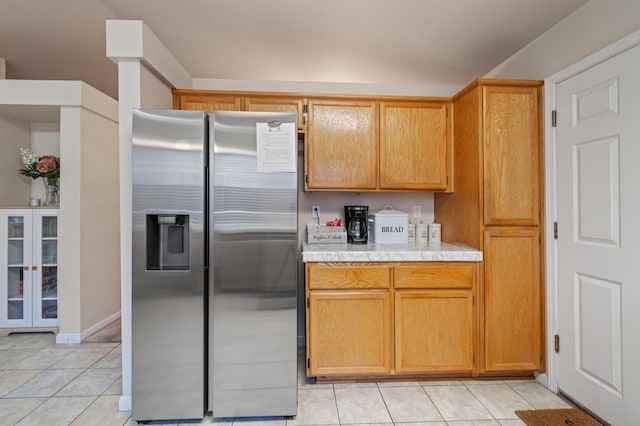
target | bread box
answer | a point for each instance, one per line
(389, 227)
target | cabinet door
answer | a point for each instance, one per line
(45, 268)
(277, 104)
(16, 281)
(513, 322)
(349, 333)
(434, 331)
(414, 146)
(341, 149)
(207, 102)
(512, 156)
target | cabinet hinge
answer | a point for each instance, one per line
(305, 109)
(447, 181)
(553, 118)
(446, 112)
(306, 178)
(556, 343)
(308, 362)
(308, 302)
(555, 230)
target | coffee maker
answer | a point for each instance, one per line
(356, 222)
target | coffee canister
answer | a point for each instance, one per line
(422, 233)
(435, 232)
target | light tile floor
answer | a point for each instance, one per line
(42, 383)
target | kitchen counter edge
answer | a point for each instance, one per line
(442, 252)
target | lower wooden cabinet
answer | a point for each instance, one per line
(349, 333)
(513, 301)
(434, 331)
(385, 319)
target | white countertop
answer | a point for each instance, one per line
(443, 252)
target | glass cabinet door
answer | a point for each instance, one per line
(16, 283)
(45, 275)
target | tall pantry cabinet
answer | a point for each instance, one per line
(497, 206)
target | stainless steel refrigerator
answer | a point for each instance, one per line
(214, 264)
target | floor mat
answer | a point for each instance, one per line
(559, 417)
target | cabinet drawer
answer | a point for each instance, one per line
(434, 276)
(339, 277)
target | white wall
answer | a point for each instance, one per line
(323, 87)
(593, 26)
(45, 140)
(100, 226)
(155, 94)
(15, 189)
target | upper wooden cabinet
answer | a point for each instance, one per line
(355, 143)
(211, 101)
(277, 104)
(204, 101)
(512, 155)
(414, 145)
(341, 148)
(378, 145)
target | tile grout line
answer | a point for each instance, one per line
(478, 399)
(432, 402)
(384, 401)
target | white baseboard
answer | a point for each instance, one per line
(62, 338)
(108, 320)
(124, 403)
(543, 379)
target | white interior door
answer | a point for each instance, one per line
(598, 211)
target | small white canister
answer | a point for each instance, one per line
(411, 233)
(422, 233)
(435, 233)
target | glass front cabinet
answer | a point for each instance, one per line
(29, 265)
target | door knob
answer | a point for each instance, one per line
(34, 268)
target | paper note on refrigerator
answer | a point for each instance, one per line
(276, 146)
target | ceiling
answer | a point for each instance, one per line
(391, 42)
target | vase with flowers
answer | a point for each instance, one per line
(46, 167)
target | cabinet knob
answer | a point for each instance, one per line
(34, 268)
(25, 268)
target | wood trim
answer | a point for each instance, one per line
(495, 82)
(309, 95)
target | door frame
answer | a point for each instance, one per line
(550, 378)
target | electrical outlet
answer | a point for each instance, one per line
(417, 211)
(315, 212)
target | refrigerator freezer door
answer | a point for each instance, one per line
(168, 315)
(253, 273)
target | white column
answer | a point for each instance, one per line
(132, 45)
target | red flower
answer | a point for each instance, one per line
(47, 163)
